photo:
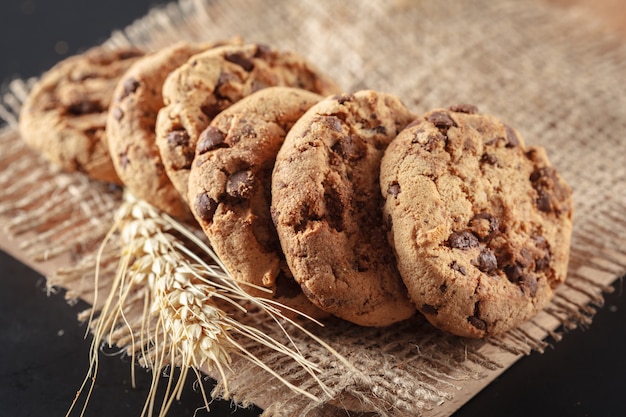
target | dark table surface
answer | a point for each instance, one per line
(43, 350)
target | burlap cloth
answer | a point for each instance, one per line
(552, 74)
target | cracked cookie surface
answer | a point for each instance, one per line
(480, 222)
(213, 80)
(326, 206)
(230, 186)
(64, 116)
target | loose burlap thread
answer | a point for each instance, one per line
(554, 75)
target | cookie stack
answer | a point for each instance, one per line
(337, 204)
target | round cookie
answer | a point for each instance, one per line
(326, 206)
(64, 116)
(480, 222)
(131, 122)
(210, 82)
(230, 185)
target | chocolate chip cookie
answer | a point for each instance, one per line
(480, 222)
(230, 185)
(131, 123)
(326, 206)
(64, 116)
(210, 82)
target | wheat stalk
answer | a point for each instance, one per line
(182, 319)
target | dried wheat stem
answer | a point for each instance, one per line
(166, 289)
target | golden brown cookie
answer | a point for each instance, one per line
(230, 185)
(326, 206)
(212, 81)
(480, 222)
(131, 123)
(64, 116)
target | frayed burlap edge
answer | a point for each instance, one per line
(411, 367)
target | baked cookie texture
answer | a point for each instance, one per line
(480, 222)
(210, 82)
(326, 206)
(230, 186)
(131, 123)
(64, 116)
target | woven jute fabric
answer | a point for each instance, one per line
(553, 75)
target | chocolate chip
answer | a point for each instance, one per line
(532, 154)
(205, 207)
(458, 268)
(480, 324)
(428, 309)
(487, 261)
(84, 107)
(442, 121)
(211, 109)
(464, 108)
(462, 240)
(130, 86)
(444, 287)
(513, 272)
(544, 180)
(343, 98)
(394, 189)
(240, 59)
(484, 225)
(262, 51)
(332, 122)
(209, 139)
(187, 160)
(529, 285)
(543, 176)
(525, 257)
(542, 263)
(178, 138)
(512, 138)
(240, 184)
(536, 175)
(544, 202)
(380, 129)
(489, 158)
(350, 148)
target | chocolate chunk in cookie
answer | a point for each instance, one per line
(482, 225)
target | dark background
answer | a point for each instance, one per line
(43, 352)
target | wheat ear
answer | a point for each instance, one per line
(165, 287)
